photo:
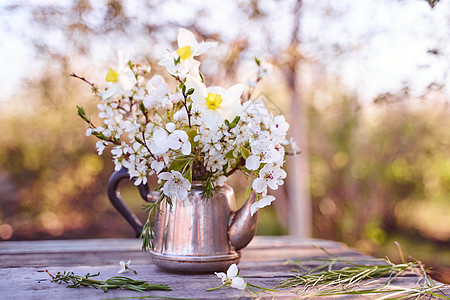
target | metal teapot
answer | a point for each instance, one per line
(195, 235)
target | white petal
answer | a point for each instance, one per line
(170, 188)
(203, 47)
(254, 208)
(259, 185)
(194, 68)
(238, 283)
(182, 193)
(212, 119)
(221, 275)
(114, 89)
(216, 90)
(273, 184)
(186, 38)
(252, 162)
(177, 174)
(232, 271)
(186, 148)
(127, 80)
(235, 91)
(170, 127)
(199, 95)
(165, 176)
(261, 203)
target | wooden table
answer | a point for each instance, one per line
(22, 265)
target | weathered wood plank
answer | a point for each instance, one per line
(263, 263)
(60, 246)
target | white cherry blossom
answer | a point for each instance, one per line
(264, 152)
(160, 142)
(124, 266)
(160, 162)
(180, 140)
(176, 185)
(100, 145)
(267, 200)
(271, 176)
(231, 278)
(180, 115)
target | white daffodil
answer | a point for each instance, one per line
(124, 266)
(218, 104)
(176, 185)
(181, 62)
(231, 278)
(122, 79)
(267, 200)
(188, 45)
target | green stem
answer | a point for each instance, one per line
(216, 288)
(261, 288)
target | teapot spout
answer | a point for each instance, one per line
(242, 227)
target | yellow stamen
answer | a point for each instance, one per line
(213, 101)
(184, 52)
(112, 75)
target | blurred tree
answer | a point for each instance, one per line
(375, 168)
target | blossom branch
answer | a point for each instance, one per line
(185, 96)
(237, 167)
(94, 88)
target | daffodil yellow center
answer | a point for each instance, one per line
(213, 101)
(184, 52)
(112, 75)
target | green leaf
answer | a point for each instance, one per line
(257, 61)
(248, 189)
(179, 163)
(142, 107)
(188, 174)
(192, 133)
(190, 91)
(100, 136)
(183, 87)
(244, 152)
(82, 114)
(229, 154)
(138, 140)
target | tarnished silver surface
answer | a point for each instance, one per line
(195, 264)
(192, 235)
(243, 225)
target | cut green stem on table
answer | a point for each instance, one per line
(323, 280)
(115, 282)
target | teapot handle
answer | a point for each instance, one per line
(119, 204)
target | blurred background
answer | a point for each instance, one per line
(364, 85)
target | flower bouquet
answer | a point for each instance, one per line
(192, 133)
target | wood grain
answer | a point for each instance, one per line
(22, 265)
